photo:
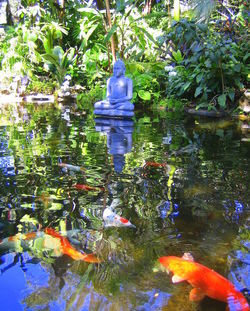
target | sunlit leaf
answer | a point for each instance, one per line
(145, 95)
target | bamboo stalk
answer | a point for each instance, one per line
(110, 26)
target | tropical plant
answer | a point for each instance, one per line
(59, 62)
(145, 83)
(207, 65)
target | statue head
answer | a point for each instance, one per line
(119, 68)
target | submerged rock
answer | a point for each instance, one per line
(239, 275)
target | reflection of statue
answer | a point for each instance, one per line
(119, 94)
(119, 139)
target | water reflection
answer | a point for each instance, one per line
(184, 187)
(119, 138)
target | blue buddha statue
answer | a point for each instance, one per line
(119, 94)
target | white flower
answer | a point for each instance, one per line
(172, 73)
(46, 67)
(169, 68)
(67, 77)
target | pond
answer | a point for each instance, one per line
(183, 183)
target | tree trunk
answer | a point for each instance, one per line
(12, 7)
(110, 26)
(148, 7)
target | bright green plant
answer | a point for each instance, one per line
(41, 85)
(59, 62)
(145, 83)
(89, 33)
(135, 38)
(208, 69)
(19, 52)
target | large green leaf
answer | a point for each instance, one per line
(110, 33)
(222, 100)
(145, 95)
(51, 59)
(177, 56)
(47, 45)
(58, 52)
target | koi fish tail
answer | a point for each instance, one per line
(68, 249)
(237, 302)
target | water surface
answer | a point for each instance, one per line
(182, 181)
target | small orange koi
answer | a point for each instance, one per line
(26, 236)
(88, 188)
(154, 164)
(69, 250)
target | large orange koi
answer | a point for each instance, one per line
(69, 250)
(205, 281)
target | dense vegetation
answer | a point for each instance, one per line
(199, 56)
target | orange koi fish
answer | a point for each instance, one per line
(88, 188)
(69, 250)
(72, 167)
(60, 246)
(205, 281)
(154, 164)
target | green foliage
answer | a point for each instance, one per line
(41, 85)
(59, 62)
(208, 67)
(145, 83)
(18, 52)
(135, 39)
(211, 60)
(171, 104)
(87, 100)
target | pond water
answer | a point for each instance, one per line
(183, 182)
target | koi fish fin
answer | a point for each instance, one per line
(91, 258)
(177, 279)
(196, 294)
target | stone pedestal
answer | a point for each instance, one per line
(113, 113)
